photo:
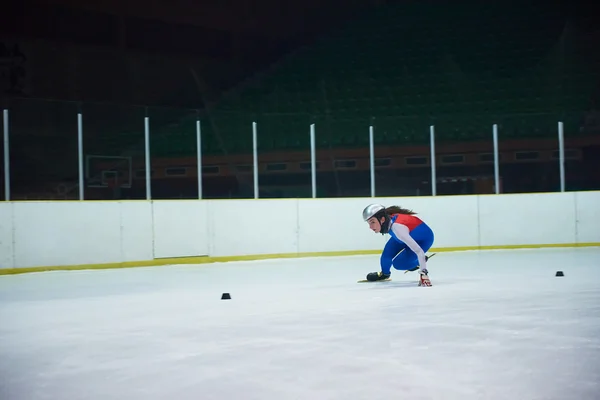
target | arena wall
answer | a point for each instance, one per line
(113, 234)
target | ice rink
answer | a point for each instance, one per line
(494, 325)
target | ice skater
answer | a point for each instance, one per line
(410, 239)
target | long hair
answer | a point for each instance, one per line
(398, 210)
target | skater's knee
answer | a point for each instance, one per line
(405, 264)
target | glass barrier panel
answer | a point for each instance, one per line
(114, 151)
(43, 146)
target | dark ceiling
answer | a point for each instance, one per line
(230, 30)
(259, 16)
(234, 38)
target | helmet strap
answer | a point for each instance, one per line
(385, 225)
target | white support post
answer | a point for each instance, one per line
(255, 155)
(147, 155)
(199, 157)
(6, 158)
(433, 166)
(372, 159)
(80, 154)
(496, 160)
(561, 152)
(313, 162)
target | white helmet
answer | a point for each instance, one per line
(371, 210)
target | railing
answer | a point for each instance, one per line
(66, 150)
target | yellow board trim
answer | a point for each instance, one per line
(207, 260)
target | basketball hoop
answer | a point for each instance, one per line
(99, 168)
(111, 182)
(110, 179)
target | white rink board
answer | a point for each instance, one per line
(334, 225)
(588, 217)
(527, 219)
(6, 235)
(66, 233)
(34, 234)
(454, 219)
(180, 228)
(243, 227)
(136, 230)
(337, 225)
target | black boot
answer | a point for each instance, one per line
(377, 276)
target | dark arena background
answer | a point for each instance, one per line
(92, 93)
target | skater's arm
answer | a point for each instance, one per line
(403, 234)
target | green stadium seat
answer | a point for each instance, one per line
(408, 65)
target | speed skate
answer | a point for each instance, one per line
(423, 275)
(423, 281)
(382, 280)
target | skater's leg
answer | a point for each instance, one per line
(408, 260)
(391, 250)
(424, 236)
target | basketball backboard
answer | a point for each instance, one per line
(105, 171)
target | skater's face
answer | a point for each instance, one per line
(375, 224)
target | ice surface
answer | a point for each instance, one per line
(495, 325)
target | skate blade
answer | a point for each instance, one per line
(383, 280)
